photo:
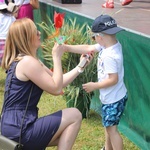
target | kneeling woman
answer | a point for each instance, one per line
(26, 80)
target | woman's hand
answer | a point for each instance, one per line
(89, 58)
(85, 60)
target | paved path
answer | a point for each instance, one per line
(134, 17)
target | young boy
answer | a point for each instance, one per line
(113, 93)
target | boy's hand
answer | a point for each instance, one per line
(89, 87)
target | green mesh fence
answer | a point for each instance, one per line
(135, 122)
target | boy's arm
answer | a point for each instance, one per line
(80, 49)
(110, 81)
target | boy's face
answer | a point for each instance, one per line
(98, 38)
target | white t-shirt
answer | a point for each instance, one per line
(110, 60)
(5, 22)
(19, 2)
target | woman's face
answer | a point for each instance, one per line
(37, 39)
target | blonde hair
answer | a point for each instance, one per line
(19, 40)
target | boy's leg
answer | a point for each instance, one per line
(108, 145)
(114, 139)
(111, 114)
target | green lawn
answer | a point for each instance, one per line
(91, 135)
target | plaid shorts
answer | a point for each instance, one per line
(111, 113)
(2, 44)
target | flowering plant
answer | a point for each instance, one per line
(75, 34)
(58, 23)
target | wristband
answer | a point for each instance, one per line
(79, 69)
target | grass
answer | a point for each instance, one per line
(91, 135)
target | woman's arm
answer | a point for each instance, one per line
(71, 75)
(29, 68)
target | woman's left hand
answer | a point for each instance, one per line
(88, 57)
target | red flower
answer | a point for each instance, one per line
(58, 19)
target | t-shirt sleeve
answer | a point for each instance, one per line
(98, 47)
(110, 65)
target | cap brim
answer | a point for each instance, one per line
(113, 30)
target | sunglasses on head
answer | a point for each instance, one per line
(96, 34)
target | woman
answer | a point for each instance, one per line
(25, 9)
(57, 129)
(6, 19)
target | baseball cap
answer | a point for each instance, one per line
(105, 24)
(3, 5)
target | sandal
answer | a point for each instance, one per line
(126, 2)
(108, 5)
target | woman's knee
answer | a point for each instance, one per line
(73, 114)
(77, 114)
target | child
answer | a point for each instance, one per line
(113, 93)
(6, 19)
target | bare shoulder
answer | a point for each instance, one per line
(29, 61)
(26, 67)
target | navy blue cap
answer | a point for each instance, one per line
(105, 24)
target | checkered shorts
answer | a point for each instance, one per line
(2, 44)
(111, 113)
